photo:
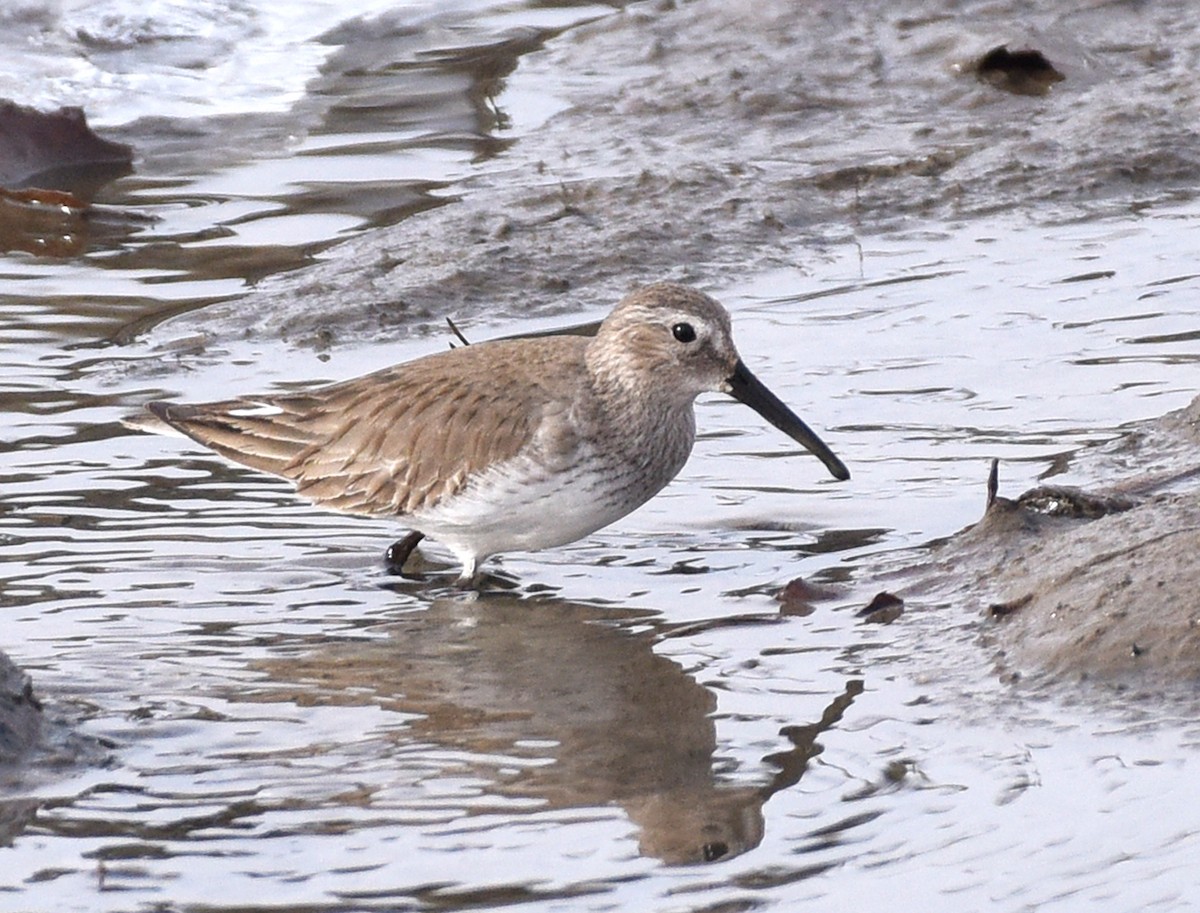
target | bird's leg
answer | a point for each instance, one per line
(398, 552)
(469, 578)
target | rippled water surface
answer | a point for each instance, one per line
(262, 719)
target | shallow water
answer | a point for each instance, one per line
(284, 726)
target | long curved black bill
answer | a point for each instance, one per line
(746, 388)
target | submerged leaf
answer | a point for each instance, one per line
(49, 223)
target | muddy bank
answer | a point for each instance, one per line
(20, 713)
(1095, 584)
(36, 740)
(20, 737)
(707, 141)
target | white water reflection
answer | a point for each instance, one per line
(171, 58)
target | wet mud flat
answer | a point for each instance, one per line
(705, 142)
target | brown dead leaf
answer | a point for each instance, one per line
(49, 223)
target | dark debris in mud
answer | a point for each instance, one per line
(51, 166)
(1021, 72)
(798, 597)
(882, 610)
(56, 150)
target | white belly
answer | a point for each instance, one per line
(522, 507)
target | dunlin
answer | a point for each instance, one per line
(510, 445)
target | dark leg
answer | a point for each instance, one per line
(398, 552)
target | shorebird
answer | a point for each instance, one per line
(509, 445)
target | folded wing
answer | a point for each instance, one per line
(387, 443)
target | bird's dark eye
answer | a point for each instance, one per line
(684, 332)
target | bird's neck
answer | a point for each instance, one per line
(640, 408)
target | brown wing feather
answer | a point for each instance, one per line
(399, 439)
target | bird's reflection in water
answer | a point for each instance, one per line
(574, 684)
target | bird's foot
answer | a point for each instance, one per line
(487, 582)
(399, 552)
